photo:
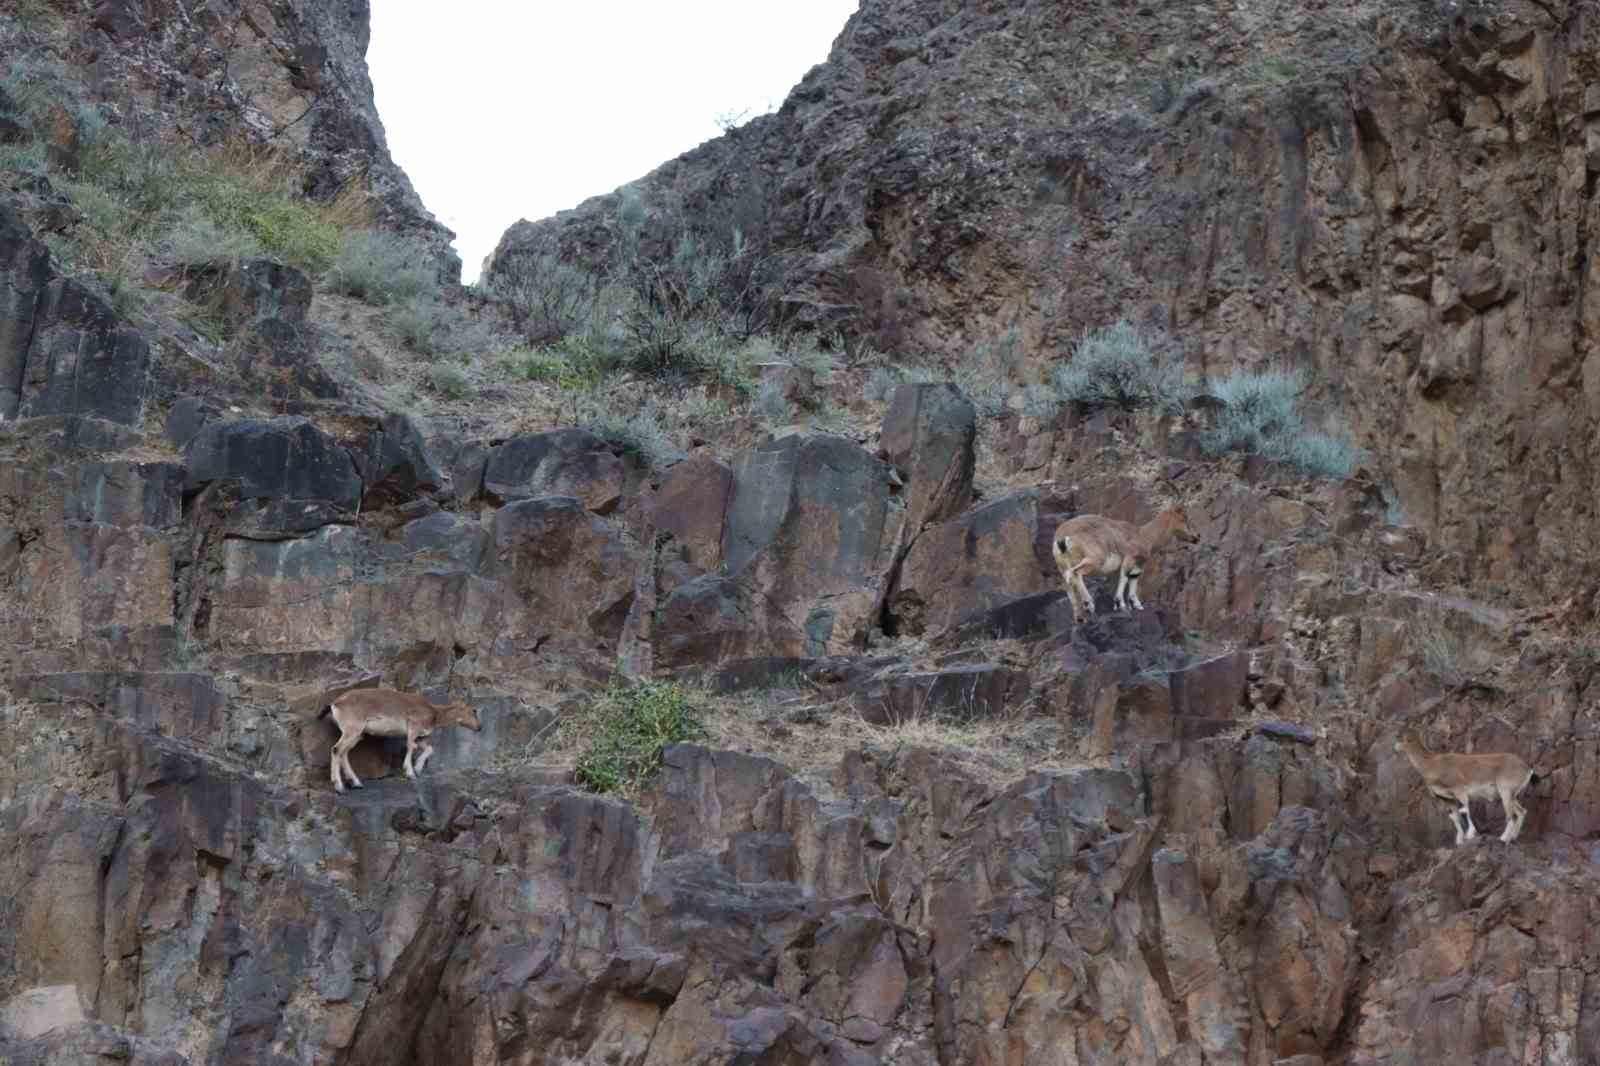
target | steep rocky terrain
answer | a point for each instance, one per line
(930, 819)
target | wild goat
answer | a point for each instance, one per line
(1092, 544)
(383, 712)
(1461, 778)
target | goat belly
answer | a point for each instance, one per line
(386, 727)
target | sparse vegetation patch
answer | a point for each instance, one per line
(1124, 367)
(1259, 414)
(624, 730)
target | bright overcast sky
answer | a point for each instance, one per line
(508, 109)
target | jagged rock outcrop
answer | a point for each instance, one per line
(1340, 192)
(287, 72)
(1211, 854)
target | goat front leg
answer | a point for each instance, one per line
(1088, 597)
(1133, 588)
(426, 750)
(1466, 812)
(411, 746)
(1515, 812)
(1120, 600)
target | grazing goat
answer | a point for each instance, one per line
(1092, 544)
(1460, 778)
(383, 712)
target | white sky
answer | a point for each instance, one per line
(508, 109)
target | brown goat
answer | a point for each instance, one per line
(383, 712)
(1093, 544)
(1461, 778)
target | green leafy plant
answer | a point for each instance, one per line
(623, 731)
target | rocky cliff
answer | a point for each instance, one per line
(930, 819)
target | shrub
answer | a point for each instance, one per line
(881, 383)
(639, 432)
(548, 299)
(1041, 402)
(381, 268)
(417, 323)
(1321, 455)
(624, 730)
(771, 405)
(192, 239)
(448, 381)
(1123, 367)
(1259, 414)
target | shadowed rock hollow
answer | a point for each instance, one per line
(932, 822)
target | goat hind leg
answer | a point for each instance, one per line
(344, 756)
(335, 755)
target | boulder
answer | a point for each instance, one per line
(396, 465)
(79, 361)
(24, 274)
(958, 570)
(246, 291)
(811, 530)
(710, 619)
(562, 462)
(290, 476)
(274, 355)
(284, 595)
(958, 693)
(690, 506)
(929, 436)
(566, 573)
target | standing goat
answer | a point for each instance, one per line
(1461, 778)
(383, 712)
(1092, 544)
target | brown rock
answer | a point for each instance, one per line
(961, 568)
(566, 573)
(691, 506)
(564, 462)
(929, 435)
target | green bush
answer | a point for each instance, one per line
(638, 432)
(771, 405)
(1123, 367)
(448, 381)
(381, 268)
(1259, 413)
(418, 323)
(881, 383)
(192, 239)
(624, 730)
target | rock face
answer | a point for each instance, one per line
(62, 351)
(806, 548)
(1209, 851)
(296, 73)
(1326, 214)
